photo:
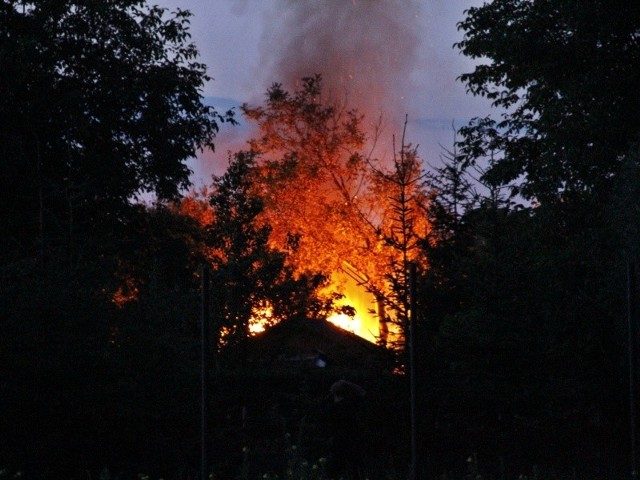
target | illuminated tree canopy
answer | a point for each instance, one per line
(252, 281)
(313, 172)
(332, 207)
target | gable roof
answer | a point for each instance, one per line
(301, 341)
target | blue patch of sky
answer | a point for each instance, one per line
(435, 123)
(222, 104)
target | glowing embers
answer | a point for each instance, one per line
(128, 291)
(261, 318)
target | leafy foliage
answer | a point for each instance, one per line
(402, 229)
(249, 273)
(313, 173)
(101, 101)
(527, 303)
(565, 76)
(333, 208)
(520, 347)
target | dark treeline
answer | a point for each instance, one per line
(101, 101)
(526, 298)
(523, 334)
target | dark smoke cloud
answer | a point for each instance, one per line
(365, 51)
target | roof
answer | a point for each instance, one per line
(303, 342)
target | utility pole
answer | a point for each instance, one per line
(204, 373)
(412, 370)
(632, 313)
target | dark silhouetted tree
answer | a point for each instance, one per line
(565, 76)
(250, 277)
(101, 102)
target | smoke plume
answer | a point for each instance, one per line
(365, 51)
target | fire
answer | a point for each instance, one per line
(256, 326)
(332, 208)
(344, 321)
(365, 323)
(370, 321)
(261, 318)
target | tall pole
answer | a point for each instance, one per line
(204, 373)
(632, 311)
(412, 370)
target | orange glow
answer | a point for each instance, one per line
(125, 293)
(261, 318)
(346, 322)
(365, 322)
(334, 208)
(331, 208)
(196, 206)
(256, 327)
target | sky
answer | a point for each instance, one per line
(387, 58)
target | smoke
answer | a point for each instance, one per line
(365, 51)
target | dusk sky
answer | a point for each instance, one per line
(386, 58)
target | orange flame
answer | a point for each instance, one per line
(261, 318)
(365, 322)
